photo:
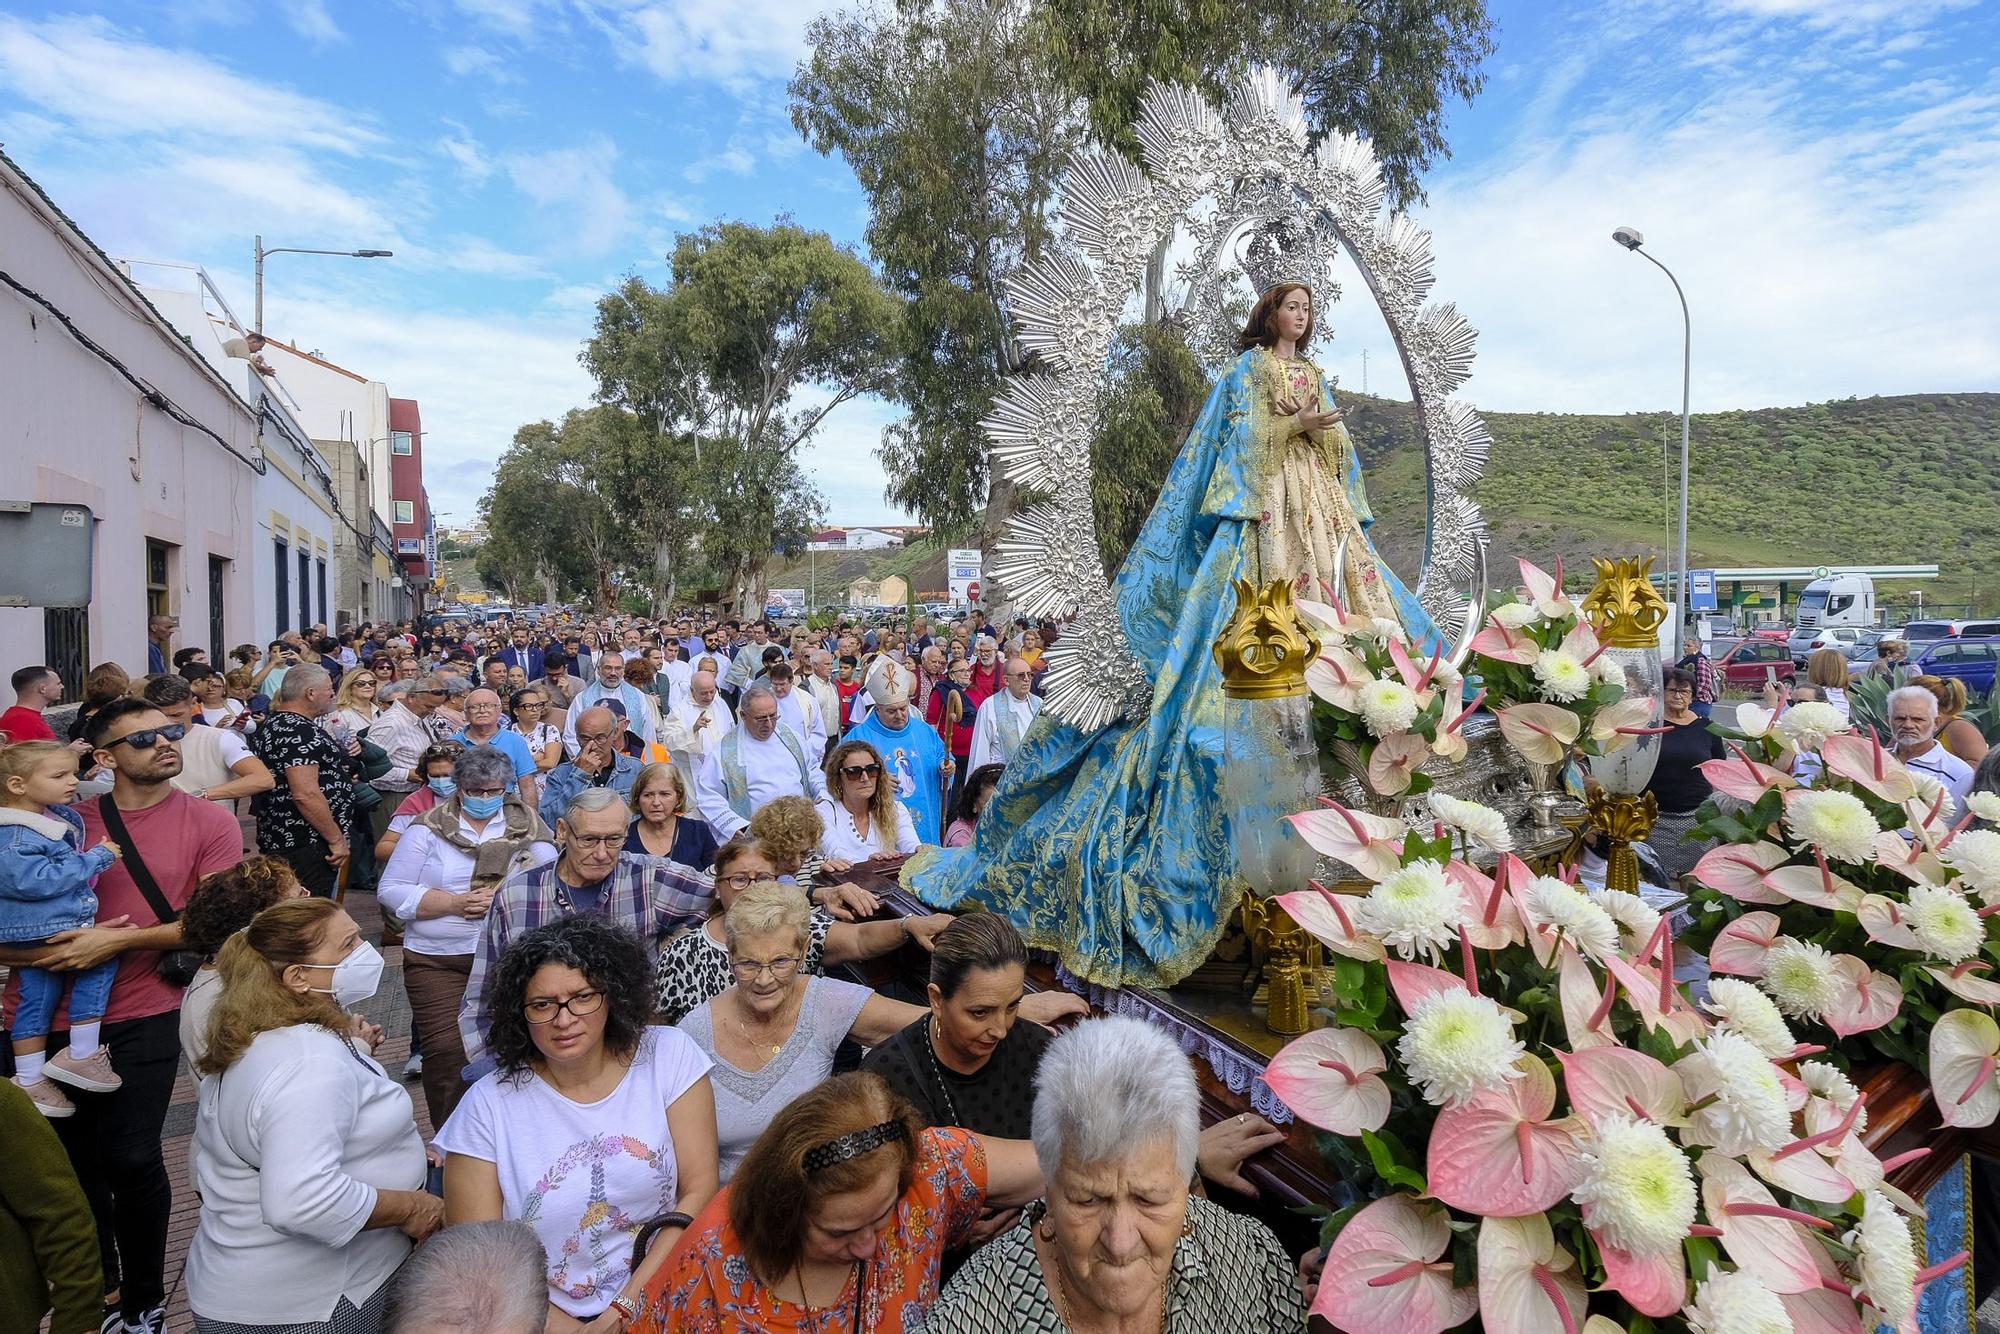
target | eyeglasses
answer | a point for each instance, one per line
(736, 881)
(749, 970)
(860, 770)
(597, 841)
(482, 792)
(542, 1010)
(150, 737)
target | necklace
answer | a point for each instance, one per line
(812, 1316)
(937, 1072)
(743, 1027)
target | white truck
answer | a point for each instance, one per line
(1834, 612)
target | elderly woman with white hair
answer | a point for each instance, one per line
(476, 1278)
(1118, 1236)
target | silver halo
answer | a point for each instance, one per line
(1253, 161)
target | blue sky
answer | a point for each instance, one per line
(1824, 177)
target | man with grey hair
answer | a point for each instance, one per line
(759, 761)
(914, 759)
(1913, 725)
(598, 763)
(652, 897)
(1004, 718)
(825, 692)
(476, 1278)
(304, 819)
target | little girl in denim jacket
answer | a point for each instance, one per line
(45, 888)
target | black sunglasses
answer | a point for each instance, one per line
(860, 770)
(150, 738)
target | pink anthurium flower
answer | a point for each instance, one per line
(1545, 590)
(1543, 733)
(1501, 644)
(1383, 1274)
(1617, 1081)
(1500, 1155)
(1527, 1284)
(1371, 844)
(1964, 982)
(1744, 778)
(1411, 982)
(1581, 643)
(1337, 676)
(1643, 990)
(1965, 1045)
(1586, 1007)
(1754, 721)
(1862, 760)
(1322, 912)
(1331, 1077)
(1882, 918)
(1759, 1234)
(1492, 921)
(1913, 861)
(1866, 999)
(1393, 760)
(1655, 1285)
(1741, 946)
(1828, 1308)
(1816, 885)
(1331, 617)
(1738, 870)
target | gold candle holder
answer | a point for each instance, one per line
(1287, 1010)
(1624, 819)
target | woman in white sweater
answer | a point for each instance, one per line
(310, 1167)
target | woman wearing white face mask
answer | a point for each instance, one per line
(309, 1164)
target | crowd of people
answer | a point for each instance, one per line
(623, 861)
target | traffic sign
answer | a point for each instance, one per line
(972, 591)
(1701, 590)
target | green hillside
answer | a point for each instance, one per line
(1877, 481)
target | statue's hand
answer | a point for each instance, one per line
(1310, 420)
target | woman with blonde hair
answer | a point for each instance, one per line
(1957, 735)
(309, 1164)
(862, 818)
(1827, 669)
(354, 702)
(661, 826)
(790, 829)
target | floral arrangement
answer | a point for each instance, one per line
(1547, 678)
(1381, 710)
(1577, 1146)
(1861, 906)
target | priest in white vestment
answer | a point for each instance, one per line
(1003, 719)
(758, 761)
(798, 710)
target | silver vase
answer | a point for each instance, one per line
(1545, 796)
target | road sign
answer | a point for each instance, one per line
(962, 568)
(1701, 590)
(972, 592)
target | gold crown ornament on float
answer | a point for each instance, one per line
(1270, 768)
(1626, 613)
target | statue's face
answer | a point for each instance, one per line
(1295, 314)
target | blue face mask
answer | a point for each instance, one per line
(444, 787)
(481, 808)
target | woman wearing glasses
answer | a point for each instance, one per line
(862, 816)
(592, 1124)
(694, 966)
(529, 708)
(354, 704)
(772, 1034)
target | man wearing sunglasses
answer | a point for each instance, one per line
(114, 1139)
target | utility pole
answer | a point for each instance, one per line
(1364, 370)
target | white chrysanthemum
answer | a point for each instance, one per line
(1637, 919)
(1609, 670)
(1945, 924)
(1985, 805)
(1749, 1108)
(1455, 1043)
(1975, 855)
(1636, 1183)
(1807, 726)
(1562, 906)
(1800, 976)
(1837, 823)
(1562, 677)
(1746, 1010)
(1482, 824)
(1414, 910)
(1383, 629)
(1827, 1081)
(1886, 1257)
(1514, 615)
(1731, 1301)
(1930, 790)
(1388, 707)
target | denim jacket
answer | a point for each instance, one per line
(45, 874)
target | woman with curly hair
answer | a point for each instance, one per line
(861, 816)
(1958, 735)
(222, 905)
(591, 1125)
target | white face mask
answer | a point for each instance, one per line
(355, 978)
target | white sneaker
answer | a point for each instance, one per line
(150, 1322)
(92, 1074)
(414, 1067)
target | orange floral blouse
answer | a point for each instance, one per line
(706, 1287)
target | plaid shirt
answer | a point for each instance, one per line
(650, 896)
(1703, 668)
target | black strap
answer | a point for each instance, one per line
(135, 865)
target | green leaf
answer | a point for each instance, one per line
(1392, 1161)
(1702, 1256)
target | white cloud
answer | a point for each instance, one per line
(105, 82)
(462, 148)
(728, 41)
(735, 159)
(309, 19)
(517, 18)
(1846, 13)
(577, 183)
(469, 59)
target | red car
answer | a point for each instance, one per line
(1751, 662)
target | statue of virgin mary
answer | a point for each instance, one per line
(1111, 848)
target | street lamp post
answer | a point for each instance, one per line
(296, 250)
(1630, 238)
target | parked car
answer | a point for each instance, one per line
(1804, 643)
(1918, 632)
(1754, 661)
(1979, 629)
(1972, 661)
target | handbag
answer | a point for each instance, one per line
(175, 967)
